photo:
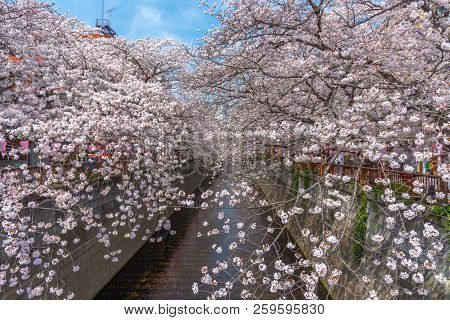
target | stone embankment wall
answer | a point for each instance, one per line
(95, 271)
(278, 188)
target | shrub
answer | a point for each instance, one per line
(359, 229)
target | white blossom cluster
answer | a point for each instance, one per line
(349, 96)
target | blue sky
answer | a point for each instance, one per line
(134, 19)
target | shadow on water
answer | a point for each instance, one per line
(168, 269)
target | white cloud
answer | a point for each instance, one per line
(191, 14)
(146, 19)
(177, 20)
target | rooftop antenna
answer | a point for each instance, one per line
(109, 11)
(105, 24)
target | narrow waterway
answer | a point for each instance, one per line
(167, 270)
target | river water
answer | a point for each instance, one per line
(167, 270)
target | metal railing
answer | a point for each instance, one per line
(369, 175)
(102, 23)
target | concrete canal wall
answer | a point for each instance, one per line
(95, 271)
(279, 186)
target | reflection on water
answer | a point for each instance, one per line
(168, 269)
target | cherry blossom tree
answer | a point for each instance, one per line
(277, 85)
(322, 79)
(101, 115)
